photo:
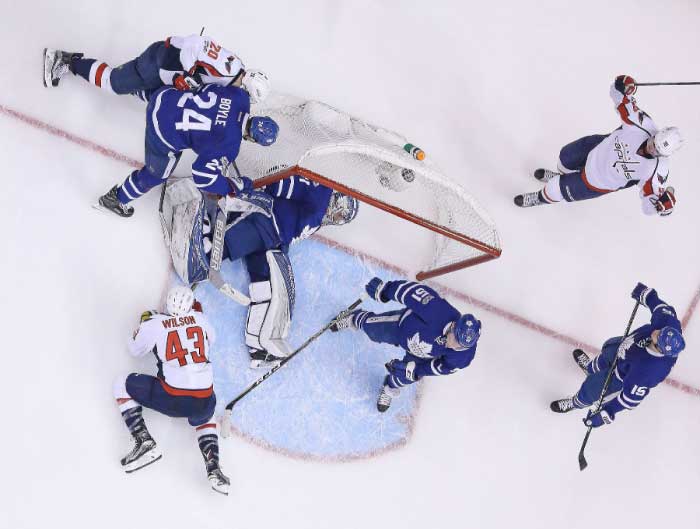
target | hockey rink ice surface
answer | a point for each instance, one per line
(491, 92)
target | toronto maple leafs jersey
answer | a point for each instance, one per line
(422, 328)
(615, 163)
(202, 58)
(639, 367)
(298, 208)
(209, 121)
(181, 345)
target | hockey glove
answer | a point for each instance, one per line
(599, 419)
(664, 204)
(242, 184)
(640, 293)
(374, 288)
(185, 82)
(625, 84)
(402, 370)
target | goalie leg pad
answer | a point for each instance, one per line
(272, 302)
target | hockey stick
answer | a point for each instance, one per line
(669, 84)
(582, 463)
(226, 419)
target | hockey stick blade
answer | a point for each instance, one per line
(226, 421)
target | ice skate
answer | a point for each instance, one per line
(528, 200)
(219, 482)
(582, 359)
(545, 175)
(562, 405)
(144, 453)
(260, 359)
(110, 202)
(346, 322)
(56, 65)
(384, 400)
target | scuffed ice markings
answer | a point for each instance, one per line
(322, 404)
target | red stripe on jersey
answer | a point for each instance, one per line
(167, 42)
(208, 425)
(590, 186)
(98, 74)
(209, 68)
(648, 189)
(123, 400)
(177, 392)
(622, 109)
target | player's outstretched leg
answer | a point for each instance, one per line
(582, 359)
(209, 445)
(56, 65)
(110, 202)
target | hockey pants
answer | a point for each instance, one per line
(597, 372)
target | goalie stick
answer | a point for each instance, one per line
(226, 418)
(582, 463)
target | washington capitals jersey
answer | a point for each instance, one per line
(209, 121)
(639, 367)
(422, 328)
(200, 57)
(615, 162)
(181, 346)
(298, 208)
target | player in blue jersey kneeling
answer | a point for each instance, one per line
(438, 340)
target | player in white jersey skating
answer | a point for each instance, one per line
(636, 153)
(186, 63)
(181, 340)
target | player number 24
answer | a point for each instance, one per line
(191, 119)
(174, 349)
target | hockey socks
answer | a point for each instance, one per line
(93, 71)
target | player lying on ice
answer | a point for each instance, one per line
(636, 153)
(644, 360)
(438, 340)
(260, 226)
(187, 63)
(181, 339)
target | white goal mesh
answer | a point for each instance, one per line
(370, 163)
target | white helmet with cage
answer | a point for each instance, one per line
(179, 300)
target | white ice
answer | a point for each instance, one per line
(489, 90)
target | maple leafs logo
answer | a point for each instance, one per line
(418, 347)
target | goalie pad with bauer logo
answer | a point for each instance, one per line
(271, 307)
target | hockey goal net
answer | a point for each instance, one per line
(368, 162)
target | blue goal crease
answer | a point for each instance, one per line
(322, 404)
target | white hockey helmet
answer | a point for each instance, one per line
(341, 210)
(179, 300)
(256, 83)
(667, 141)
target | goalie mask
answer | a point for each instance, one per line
(341, 210)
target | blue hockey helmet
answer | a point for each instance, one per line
(467, 330)
(670, 341)
(263, 130)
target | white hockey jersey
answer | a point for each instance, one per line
(212, 63)
(181, 345)
(615, 162)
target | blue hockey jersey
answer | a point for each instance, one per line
(422, 328)
(298, 208)
(639, 367)
(209, 121)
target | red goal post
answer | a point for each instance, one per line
(334, 149)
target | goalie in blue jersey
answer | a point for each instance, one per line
(644, 360)
(259, 228)
(438, 340)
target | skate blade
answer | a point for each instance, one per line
(49, 57)
(99, 207)
(221, 489)
(263, 364)
(148, 459)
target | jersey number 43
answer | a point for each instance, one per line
(174, 349)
